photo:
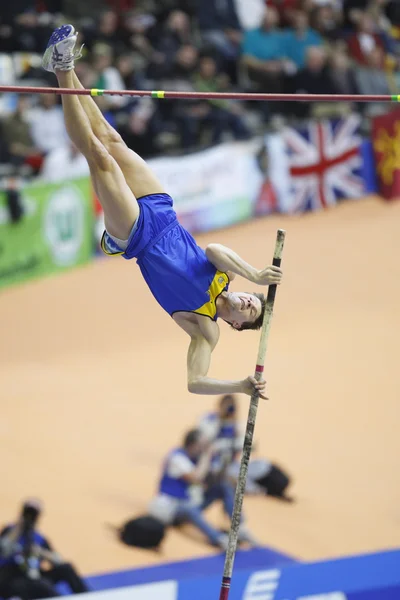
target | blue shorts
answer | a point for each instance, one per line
(156, 213)
(155, 217)
(175, 268)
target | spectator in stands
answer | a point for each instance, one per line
(64, 163)
(326, 21)
(16, 135)
(263, 53)
(174, 33)
(180, 489)
(47, 124)
(342, 73)
(23, 555)
(299, 38)
(286, 8)
(106, 31)
(365, 41)
(141, 130)
(29, 34)
(137, 26)
(315, 78)
(371, 79)
(220, 27)
(108, 77)
(183, 66)
(11, 10)
(133, 79)
(226, 116)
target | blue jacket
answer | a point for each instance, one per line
(217, 14)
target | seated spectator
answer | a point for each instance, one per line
(286, 8)
(16, 135)
(64, 163)
(180, 490)
(137, 26)
(315, 78)
(23, 555)
(327, 22)
(371, 79)
(183, 65)
(342, 73)
(220, 27)
(263, 53)
(132, 77)
(106, 31)
(365, 41)
(140, 131)
(171, 35)
(29, 34)
(227, 115)
(108, 77)
(47, 124)
(299, 38)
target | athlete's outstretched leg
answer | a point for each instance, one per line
(137, 173)
(119, 204)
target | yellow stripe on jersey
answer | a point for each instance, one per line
(104, 248)
(209, 309)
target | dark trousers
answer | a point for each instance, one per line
(14, 583)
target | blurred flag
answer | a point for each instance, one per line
(386, 136)
(323, 164)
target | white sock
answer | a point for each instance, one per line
(123, 244)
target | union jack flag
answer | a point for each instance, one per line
(324, 163)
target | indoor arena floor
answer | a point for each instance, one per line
(93, 393)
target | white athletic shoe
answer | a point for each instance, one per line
(60, 52)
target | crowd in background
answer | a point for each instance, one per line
(294, 46)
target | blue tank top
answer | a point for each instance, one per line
(171, 486)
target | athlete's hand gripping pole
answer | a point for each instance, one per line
(248, 441)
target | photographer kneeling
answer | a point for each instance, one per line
(24, 553)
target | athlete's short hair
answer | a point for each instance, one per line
(257, 324)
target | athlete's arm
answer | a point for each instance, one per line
(198, 364)
(225, 259)
(199, 473)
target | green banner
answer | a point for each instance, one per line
(54, 233)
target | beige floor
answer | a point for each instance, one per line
(92, 380)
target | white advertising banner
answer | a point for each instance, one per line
(165, 590)
(214, 188)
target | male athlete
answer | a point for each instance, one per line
(189, 283)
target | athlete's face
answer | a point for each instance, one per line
(243, 308)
